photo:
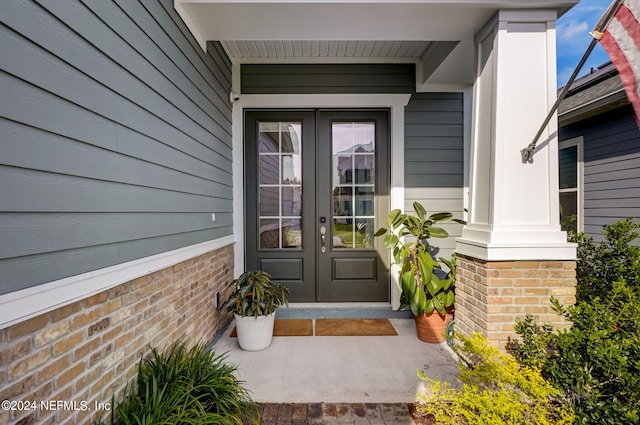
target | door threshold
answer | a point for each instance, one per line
(341, 311)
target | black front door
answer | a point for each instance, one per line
(317, 187)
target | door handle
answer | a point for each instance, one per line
(323, 232)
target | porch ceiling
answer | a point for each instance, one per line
(254, 49)
(423, 31)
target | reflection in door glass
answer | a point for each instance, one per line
(353, 177)
(280, 185)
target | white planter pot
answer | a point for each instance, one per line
(254, 333)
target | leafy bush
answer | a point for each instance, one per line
(596, 362)
(256, 294)
(184, 386)
(495, 391)
(601, 264)
(424, 289)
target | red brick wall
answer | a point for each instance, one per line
(86, 351)
(490, 295)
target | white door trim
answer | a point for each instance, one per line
(396, 104)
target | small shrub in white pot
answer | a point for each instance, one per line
(254, 302)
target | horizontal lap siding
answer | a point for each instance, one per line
(611, 167)
(115, 137)
(327, 78)
(433, 156)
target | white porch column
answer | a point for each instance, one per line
(513, 245)
(513, 212)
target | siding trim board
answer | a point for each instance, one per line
(24, 304)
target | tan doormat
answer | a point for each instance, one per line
(354, 327)
(289, 327)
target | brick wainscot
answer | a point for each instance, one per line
(86, 351)
(490, 295)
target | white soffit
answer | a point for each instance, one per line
(260, 49)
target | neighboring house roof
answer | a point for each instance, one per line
(599, 91)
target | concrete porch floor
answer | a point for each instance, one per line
(352, 369)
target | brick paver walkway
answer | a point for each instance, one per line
(335, 414)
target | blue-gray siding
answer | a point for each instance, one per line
(433, 130)
(611, 167)
(433, 157)
(115, 137)
(327, 78)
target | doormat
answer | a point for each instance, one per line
(354, 327)
(289, 327)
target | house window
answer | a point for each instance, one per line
(570, 159)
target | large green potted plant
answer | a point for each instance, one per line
(427, 289)
(254, 302)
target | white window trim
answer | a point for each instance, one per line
(579, 143)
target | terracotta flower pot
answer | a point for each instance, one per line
(432, 327)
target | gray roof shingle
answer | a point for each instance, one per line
(599, 91)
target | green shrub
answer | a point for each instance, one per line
(596, 363)
(533, 349)
(495, 391)
(601, 264)
(184, 386)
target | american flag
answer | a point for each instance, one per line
(620, 37)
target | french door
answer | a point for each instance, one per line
(316, 189)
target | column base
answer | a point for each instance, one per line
(504, 243)
(495, 251)
(491, 295)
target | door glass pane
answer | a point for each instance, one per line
(364, 201)
(353, 182)
(269, 198)
(268, 137)
(342, 201)
(269, 169)
(280, 185)
(269, 233)
(291, 169)
(364, 171)
(291, 201)
(291, 233)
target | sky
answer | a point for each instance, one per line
(572, 37)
